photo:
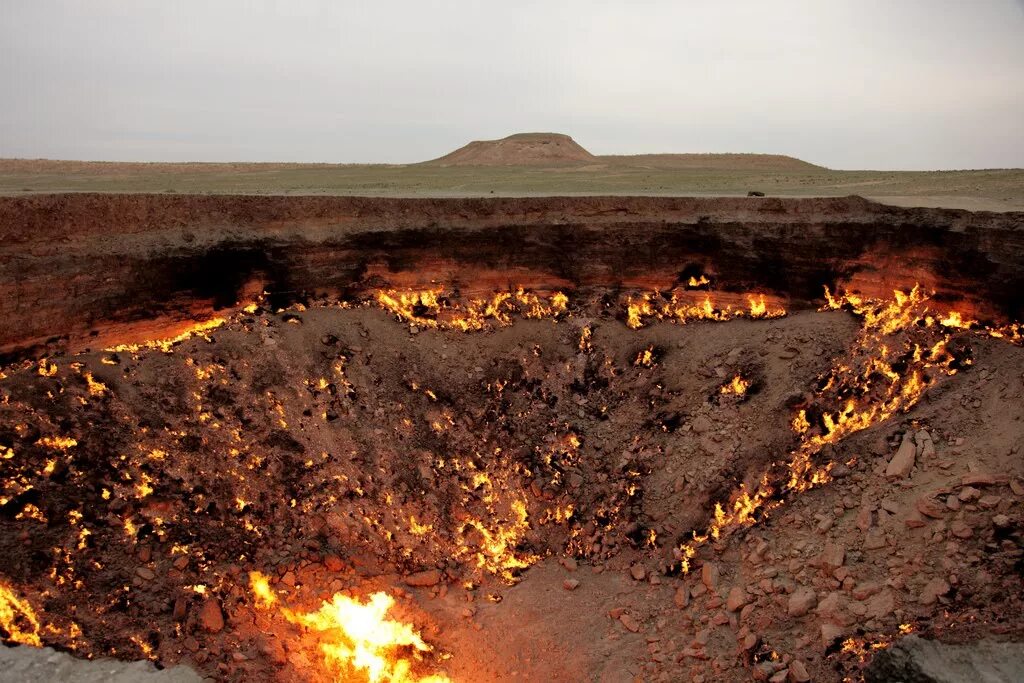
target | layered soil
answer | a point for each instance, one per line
(88, 270)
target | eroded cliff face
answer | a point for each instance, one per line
(83, 270)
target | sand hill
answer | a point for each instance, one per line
(521, 149)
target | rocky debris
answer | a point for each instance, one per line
(638, 572)
(709, 575)
(929, 507)
(798, 672)
(832, 557)
(682, 597)
(801, 602)
(903, 462)
(737, 599)
(211, 618)
(571, 584)
(932, 591)
(630, 623)
(916, 660)
(424, 579)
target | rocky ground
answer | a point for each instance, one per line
(529, 493)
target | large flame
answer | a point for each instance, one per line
(18, 619)
(357, 638)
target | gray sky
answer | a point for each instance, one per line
(886, 84)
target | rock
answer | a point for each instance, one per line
(180, 609)
(923, 661)
(801, 602)
(709, 575)
(913, 520)
(881, 606)
(932, 590)
(929, 507)
(145, 573)
(864, 591)
(274, 650)
(959, 529)
(333, 563)
(630, 623)
(211, 618)
(798, 672)
(682, 597)
(832, 557)
(736, 600)
(424, 579)
(830, 633)
(570, 584)
(864, 516)
(638, 572)
(874, 539)
(569, 563)
(968, 493)
(989, 502)
(833, 609)
(903, 462)
(977, 479)
(1001, 521)
(890, 506)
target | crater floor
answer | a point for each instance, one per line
(538, 497)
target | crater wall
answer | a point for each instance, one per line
(79, 269)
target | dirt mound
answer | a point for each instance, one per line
(521, 149)
(723, 162)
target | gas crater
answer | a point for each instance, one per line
(480, 440)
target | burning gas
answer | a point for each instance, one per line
(683, 306)
(433, 308)
(357, 639)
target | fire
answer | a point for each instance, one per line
(357, 638)
(198, 329)
(684, 306)
(17, 618)
(737, 386)
(433, 309)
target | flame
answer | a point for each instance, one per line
(197, 329)
(684, 306)
(18, 619)
(432, 309)
(357, 637)
(695, 282)
(645, 358)
(737, 386)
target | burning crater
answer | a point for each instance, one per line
(593, 439)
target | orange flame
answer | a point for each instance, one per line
(357, 637)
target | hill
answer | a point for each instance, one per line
(521, 149)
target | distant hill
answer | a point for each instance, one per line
(521, 149)
(744, 162)
(557, 149)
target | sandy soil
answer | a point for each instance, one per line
(524, 492)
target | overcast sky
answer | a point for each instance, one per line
(884, 84)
